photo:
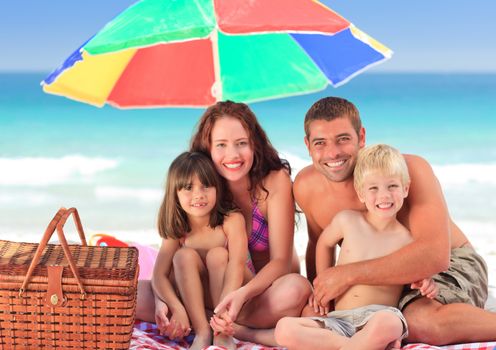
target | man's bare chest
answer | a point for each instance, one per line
(326, 207)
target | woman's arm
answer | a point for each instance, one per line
(235, 229)
(280, 218)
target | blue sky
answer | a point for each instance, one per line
(426, 35)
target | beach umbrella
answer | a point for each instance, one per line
(193, 53)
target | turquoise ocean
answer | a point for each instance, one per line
(111, 164)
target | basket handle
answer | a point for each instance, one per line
(58, 223)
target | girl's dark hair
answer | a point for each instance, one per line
(172, 219)
(265, 158)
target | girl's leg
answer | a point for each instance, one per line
(305, 333)
(383, 328)
(217, 259)
(285, 297)
(145, 304)
(189, 270)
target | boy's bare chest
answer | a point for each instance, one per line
(364, 246)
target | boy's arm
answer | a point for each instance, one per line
(326, 245)
(325, 256)
(428, 254)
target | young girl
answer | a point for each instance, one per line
(203, 252)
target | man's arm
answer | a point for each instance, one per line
(310, 256)
(428, 220)
(303, 193)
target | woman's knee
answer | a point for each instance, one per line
(292, 292)
(185, 258)
(217, 258)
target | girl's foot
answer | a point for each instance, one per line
(201, 341)
(224, 341)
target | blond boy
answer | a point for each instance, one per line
(365, 316)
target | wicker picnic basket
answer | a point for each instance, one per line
(61, 296)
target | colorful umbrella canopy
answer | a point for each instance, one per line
(194, 53)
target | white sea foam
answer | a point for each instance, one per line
(448, 174)
(114, 193)
(465, 173)
(26, 199)
(42, 171)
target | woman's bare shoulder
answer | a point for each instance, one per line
(277, 180)
(234, 219)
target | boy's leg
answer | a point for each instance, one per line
(188, 270)
(383, 328)
(431, 322)
(305, 333)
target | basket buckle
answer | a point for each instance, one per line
(54, 296)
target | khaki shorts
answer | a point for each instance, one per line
(348, 322)
(465, 281)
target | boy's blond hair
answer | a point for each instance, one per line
(382, 158)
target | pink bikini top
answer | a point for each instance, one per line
(259, 237)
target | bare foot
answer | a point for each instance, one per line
(224, 341)
(201, 341)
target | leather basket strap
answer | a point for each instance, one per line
(57, 223)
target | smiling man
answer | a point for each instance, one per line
(333, 136)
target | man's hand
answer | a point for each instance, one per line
(322, 311)
(329, 284)
(427, 287)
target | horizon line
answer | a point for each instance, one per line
(392, 71)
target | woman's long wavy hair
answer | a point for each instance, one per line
(265, 158)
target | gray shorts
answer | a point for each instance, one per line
(465, 281)
(348, 322)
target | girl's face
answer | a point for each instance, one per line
(231, 149)
(196, 199)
